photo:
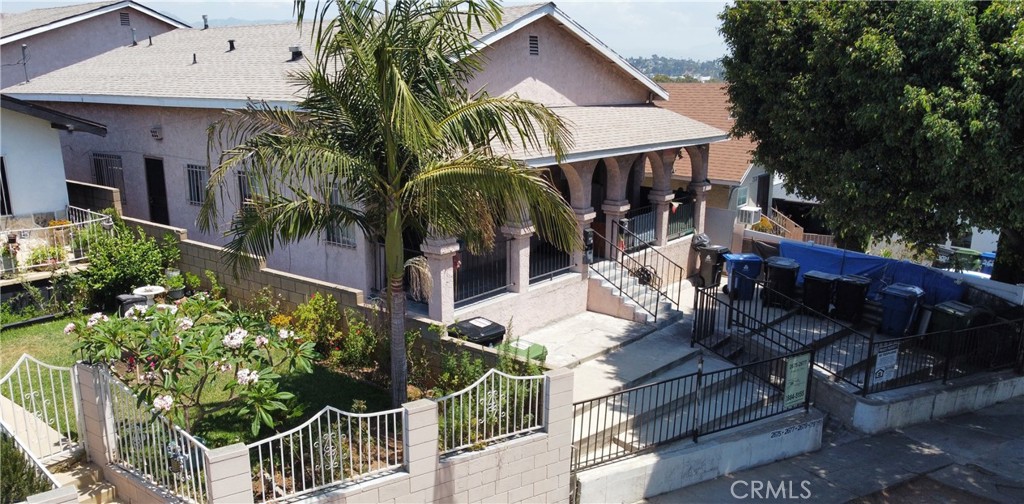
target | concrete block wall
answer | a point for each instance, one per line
(96, 197)
(63, 495)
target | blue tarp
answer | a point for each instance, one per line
(881, 271)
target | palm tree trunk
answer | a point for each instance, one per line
(394, 259)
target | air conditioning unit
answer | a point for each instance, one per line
(749, 215)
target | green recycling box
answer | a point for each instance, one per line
(525, 349)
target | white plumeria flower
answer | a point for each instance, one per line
(285, 334)
(185, 324)
(234, 339)
(96, 318)
(261, 340)
(163, 403)
(68, 329)
(246, 377)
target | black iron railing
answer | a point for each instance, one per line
(642, 222)
(670, 273)
(637, 420)
(478, 277)
(546, 261)
(680, 219)
(380, 276)
(631, 278)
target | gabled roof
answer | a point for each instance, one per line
(515, 18)
(58, 120)
(19, 25)
(259, 68)
(709, 103)
(606, 131)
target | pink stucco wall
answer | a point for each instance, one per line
(185, 142)
(70, 44)
(565, 72)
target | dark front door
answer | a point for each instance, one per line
(157, 190)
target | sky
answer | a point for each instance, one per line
(678, 29)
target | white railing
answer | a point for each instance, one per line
(37, 465)
(152, 447)
(48, 247)
(331, 448)
(494, 407)
(40, 406)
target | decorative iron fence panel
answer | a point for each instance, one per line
(331, 448)
(40, 406)
(68, 243)
(680, 219)
(478, 277)
(38, 467)
(150, 446)
(495, 407)
(546, 261)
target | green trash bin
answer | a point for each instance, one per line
(527, 350)
(967, 259)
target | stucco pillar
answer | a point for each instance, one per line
(421, 453)
(583, 219)
(440, 254)
(662, 202)
(699, 184)
(614, 211)
(519, 255)
(98, 432)
(229, 475)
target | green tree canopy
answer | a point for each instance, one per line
(387, 139)
(898, 117)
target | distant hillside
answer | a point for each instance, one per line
(676, 68)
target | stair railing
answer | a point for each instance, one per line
(630, 272)
(669, 271)
(794, 231)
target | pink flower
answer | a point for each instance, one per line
(163, 403)
(96, 318)
(149, 377)
(68, 329)
(185, 324)
(235, 338)
(261, 340)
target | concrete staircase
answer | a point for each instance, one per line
(615, 292)
(88, 479)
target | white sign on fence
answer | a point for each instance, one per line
(796, 380)
(885, 362)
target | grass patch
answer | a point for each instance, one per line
(45, 341)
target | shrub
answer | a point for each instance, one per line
(18, 479)
(357, 347)
(320, 319)
(216, 290)
(170, 251)
(121, 261)
(264, 303)
(47, 255)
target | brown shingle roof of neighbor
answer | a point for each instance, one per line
(259, 68)
(13, 23)
(709, 103)
(610, 131)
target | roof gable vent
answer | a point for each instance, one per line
(125, 20)
(534, 45)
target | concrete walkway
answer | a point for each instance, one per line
(972, 458)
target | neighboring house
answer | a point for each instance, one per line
(39, 41)
(160, 99)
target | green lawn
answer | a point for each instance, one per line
(48, 343)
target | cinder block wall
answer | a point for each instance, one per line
(92, 196)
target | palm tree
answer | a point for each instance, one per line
(388, 125)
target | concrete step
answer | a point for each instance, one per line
(88, 479)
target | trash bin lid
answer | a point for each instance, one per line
(744, 258)
(855, 279)
(527, 349)
(779, 262)
(821, 275)
(966, 252)
(988, 255)
(903, 290)
(723, 249)
(954, 308)
(478, 327)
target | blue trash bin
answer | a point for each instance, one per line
(742, 269)
(988, 260)
(899, 308)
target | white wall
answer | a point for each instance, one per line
(984, 241)
(35, 167)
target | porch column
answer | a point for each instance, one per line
(519, 255)
(662, 202)
(614, 211)
(699, 184)
(583, 219)
(440, 254)
(580, 175)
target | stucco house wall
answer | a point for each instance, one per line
(35, 167)
(564, 73)
(76, 42)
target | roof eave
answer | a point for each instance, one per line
(551, 10)
(14, 37)
(58, 119)
(152, 101)
(622, 151)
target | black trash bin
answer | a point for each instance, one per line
(850, 293)
(780, 277)
(819, 290)
(478, 330)
(712, 260)
(952, 316)
(126, 301)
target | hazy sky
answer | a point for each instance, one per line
(680, 29)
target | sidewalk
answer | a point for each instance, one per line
(972, 458)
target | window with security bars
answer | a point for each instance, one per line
(244, 187)
(5, 192)
(108, 171)
(197, 176)
(338, 234)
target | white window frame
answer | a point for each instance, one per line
(197, 176)
(743, 191)
(337, 234)
(244, 186)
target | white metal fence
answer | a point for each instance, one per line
(494, 407)
(47, 247)
(152, 447)
(37, 465)
(332, 447)
(38, 402)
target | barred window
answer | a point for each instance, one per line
(5, 193)
(244, 188)
(197, 176)
(108, 171)
(338, 234)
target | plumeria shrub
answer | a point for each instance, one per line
(172, 356)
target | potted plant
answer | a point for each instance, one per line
(175, 287)
(192, 283)
(9, 256)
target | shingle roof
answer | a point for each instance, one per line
(258, 68)
(709, 103)
(610, 131)
(17, 22)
